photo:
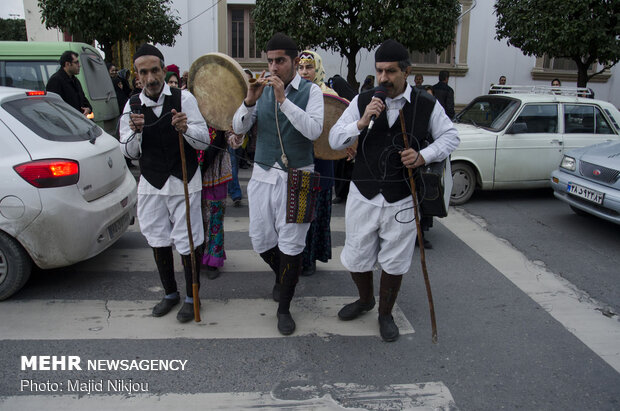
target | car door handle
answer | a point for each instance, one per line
(556, 141)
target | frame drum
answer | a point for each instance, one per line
(219, 85)
(334, 107)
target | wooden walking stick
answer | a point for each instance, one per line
(427, 282)
(189, 233)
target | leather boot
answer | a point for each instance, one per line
(388, 291)
(290, 270)
(165, 266)
(365, 303)
(272, 258)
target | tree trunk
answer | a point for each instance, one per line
(582, 73)
(352, 68)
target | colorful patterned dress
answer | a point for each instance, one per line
(216, 176)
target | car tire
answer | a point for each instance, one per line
(463, 183)
(579, 211)
(15, 266)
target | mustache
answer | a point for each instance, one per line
(386, 84)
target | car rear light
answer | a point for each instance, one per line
(36, 93)
(49, 173)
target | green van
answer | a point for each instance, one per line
(30, 65)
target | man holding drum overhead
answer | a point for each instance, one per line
(289, 115)
(379, 214)
(149, 130)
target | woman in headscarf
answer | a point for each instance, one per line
(318, 239)
(172, 79)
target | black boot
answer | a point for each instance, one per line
(272, 258)
(388, 291)
(366, 302)
(290, 270)
(165, 266)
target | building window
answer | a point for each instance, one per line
(445, 58)
(454, 58)
(242, 35)
(562, 64)
(548, 68)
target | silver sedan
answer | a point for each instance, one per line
(588, 179)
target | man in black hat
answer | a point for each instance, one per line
(298, 105)
(380, 226)
(149, 130)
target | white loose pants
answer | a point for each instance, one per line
(268, 226)
(373, 235)
(162, 220)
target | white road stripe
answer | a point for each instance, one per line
(241, 224)
(573, 308)
(141, 259)
(234, 318)
(424, 396)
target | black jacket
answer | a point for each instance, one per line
(69, 88)
(445, 95)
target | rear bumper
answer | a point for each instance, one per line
(609, 210)
(70, 229)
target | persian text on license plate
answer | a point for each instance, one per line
(585, 193)
(118, 226)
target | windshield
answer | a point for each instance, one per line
(492, 112)
(52, 119)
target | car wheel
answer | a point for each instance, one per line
(463, 183)
(15, 266)
(579, 211)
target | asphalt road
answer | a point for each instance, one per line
(499, 346)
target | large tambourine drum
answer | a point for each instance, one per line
(334, 107)
(220, 85)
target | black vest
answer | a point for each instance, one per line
(378, 155)
(161, 155)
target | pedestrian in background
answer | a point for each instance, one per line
(65, 83)
(444, 93)
(172, 79)
(216, 175)
(318, 238)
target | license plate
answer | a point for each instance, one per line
(585, 193)
(118, 226)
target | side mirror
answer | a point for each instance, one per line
(517, 128)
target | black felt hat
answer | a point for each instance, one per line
(148, 50)
(281, 41)
(391, 50)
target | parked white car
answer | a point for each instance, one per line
(515, 138)
(66, 193)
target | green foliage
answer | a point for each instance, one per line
(582, 30)
(13, 30)
(109, 21)
(347, 26)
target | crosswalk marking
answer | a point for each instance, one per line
(233, 318)
(241, 224)
(580, 314)
(423, 396)
(141, 259)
